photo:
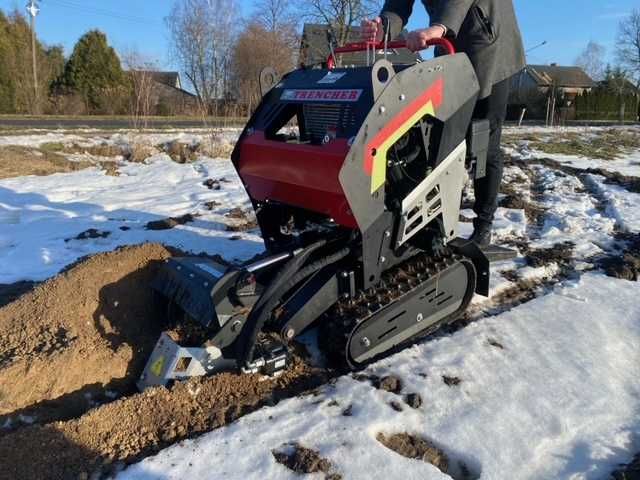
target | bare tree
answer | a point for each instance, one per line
(140, 76)
(592, 60)
(202, 33)
(256, 49)
(341, 15)
(628, 54)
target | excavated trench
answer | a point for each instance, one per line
(71, 349)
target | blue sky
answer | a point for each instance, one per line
(567, 25)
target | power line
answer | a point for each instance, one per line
(102, 12)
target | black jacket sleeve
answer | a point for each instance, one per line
(395, 15)
(451, 14)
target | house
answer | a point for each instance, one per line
(314, 48)
(167, 97)
(533, 86)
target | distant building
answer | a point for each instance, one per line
(314, 48)
(532, 87)
(167, 95)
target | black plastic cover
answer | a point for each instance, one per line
(478, 146)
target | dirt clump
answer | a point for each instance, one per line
(396, 406)
(80, 337)
(181, 152)
(171, 222)
(414, 400)
(92, 233)
(300, 459)
(411, 446)
(494, 343)
(451, 381)
(625, 265)
(243, 220)
(560, 253)
(512, 201)
(16, 161)
(389, 383)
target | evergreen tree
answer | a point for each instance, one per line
(94, 71)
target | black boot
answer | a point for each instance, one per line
(481, 233)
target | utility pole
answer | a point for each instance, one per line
(33, 10)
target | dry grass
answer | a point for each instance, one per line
(607, 144)
(16, 161)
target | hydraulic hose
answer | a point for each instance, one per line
(259, 316)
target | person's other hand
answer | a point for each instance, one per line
(417, 40)
(372, 30)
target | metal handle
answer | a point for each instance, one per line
(363, 46)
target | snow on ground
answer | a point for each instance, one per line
(41, 216)
(561, 400)
(622, 205)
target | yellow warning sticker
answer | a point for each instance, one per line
(156, 367)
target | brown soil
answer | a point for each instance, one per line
(243, 220)
(18, 161)
(625, 265)
(92, 233)
(129, 429)
(451, 381)
(180, 152)
(169, 223)
(301, 459)
(80, 337)
(561, 253)
(389, 384)
(414, 400)
(411, 446)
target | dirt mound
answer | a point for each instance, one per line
(18, 161)
(124, 431)
(560, 253)
(169, 223)
(414, 447)
(300, 459)
(79, 338)
(627, 264)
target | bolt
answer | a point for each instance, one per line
(402, 97)
(236, 325)
(206, 284)
(383, 259)
(419, 318)
(345, 274)
(365, 342)
(387, 234)
(382, 109)
(191, 275)
(291, 333)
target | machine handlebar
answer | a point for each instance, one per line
(364, 46)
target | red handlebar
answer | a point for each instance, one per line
(362, 46)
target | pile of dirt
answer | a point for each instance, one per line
(181, 152)
(171, 222)
(301, 459)
(560, 253)
(79, 338)
(625, 265)
(18, 161)
(242, 220)
(411, 446)
(122, 432)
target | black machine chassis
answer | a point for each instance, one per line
(424, 285)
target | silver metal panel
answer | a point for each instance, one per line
(437, 195)
(169, 361)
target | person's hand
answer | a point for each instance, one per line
(372, 30)
(417, 40)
